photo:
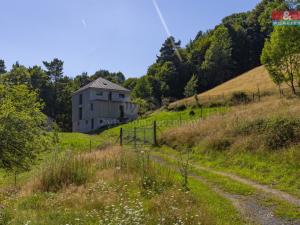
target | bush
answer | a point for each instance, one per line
(63, 171)
(219, 144)
(275, 133)
(239, 98)
(179, 108)
(192, 113)
(281, 133)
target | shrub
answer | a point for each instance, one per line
(275, 133)
(281, 133)
(63, 171)
(219, 144)
(192, 113)
(239, 98)
(179, 108)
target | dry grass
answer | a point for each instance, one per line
(70, 169)
(223, 128)
(247, 82)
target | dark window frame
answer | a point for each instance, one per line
(80, 113)
(92, 124)
(80, 99)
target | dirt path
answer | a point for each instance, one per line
(249, 206)
(276, 193)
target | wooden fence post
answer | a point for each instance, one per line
(154, 133)
(121, 136)
(134, 137)
(201, 112)
(180, 121)
(258, 94)
(90, 145)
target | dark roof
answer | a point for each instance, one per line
(102, 83)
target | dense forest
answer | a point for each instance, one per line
(213, 57)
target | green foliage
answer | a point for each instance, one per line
(17, 76)
(218, 57)
(142, 104)
(22, 127)
(2, 66)
(117, 78)
(281, 55)
(275, 133)
(191, 87)
(130, 83)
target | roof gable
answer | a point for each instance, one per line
(103, 84)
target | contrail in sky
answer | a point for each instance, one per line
(162, 19)
(84, 23)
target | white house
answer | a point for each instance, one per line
(101, 103)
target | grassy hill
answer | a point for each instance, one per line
(249, 82)
(94, 181)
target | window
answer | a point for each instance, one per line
(80, 113)
(101, 121)
(99, 93)
(80, 99)
(121, 96)
(92, 124)
(92, 107)
(109, 96)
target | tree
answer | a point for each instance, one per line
(218, 61)
(130, 83)
(54, 69)
(118, 78)
(22, 127)
(191, 87)
(281, 55)
(18, 75)
(55, 73)
(169, 51)
(2, 66)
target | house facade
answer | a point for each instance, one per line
(101, 103)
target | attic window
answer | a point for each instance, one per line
(104, 83)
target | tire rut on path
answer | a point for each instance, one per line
(248, 206)
(276, 193)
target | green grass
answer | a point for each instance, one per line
(122, 198)
(277, 169)
(79, 142)
(281, 208)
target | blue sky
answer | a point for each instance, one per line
(118, 35)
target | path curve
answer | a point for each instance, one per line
(277, 193)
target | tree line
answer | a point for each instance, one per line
(53, 88)
(213, 57)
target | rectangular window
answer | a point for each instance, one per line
(80, 99)
(92, 124)
(80, 113)
(109, 96)
(121, 96)
(92, 107)
(99, 93)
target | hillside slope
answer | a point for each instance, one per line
(247, 82)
